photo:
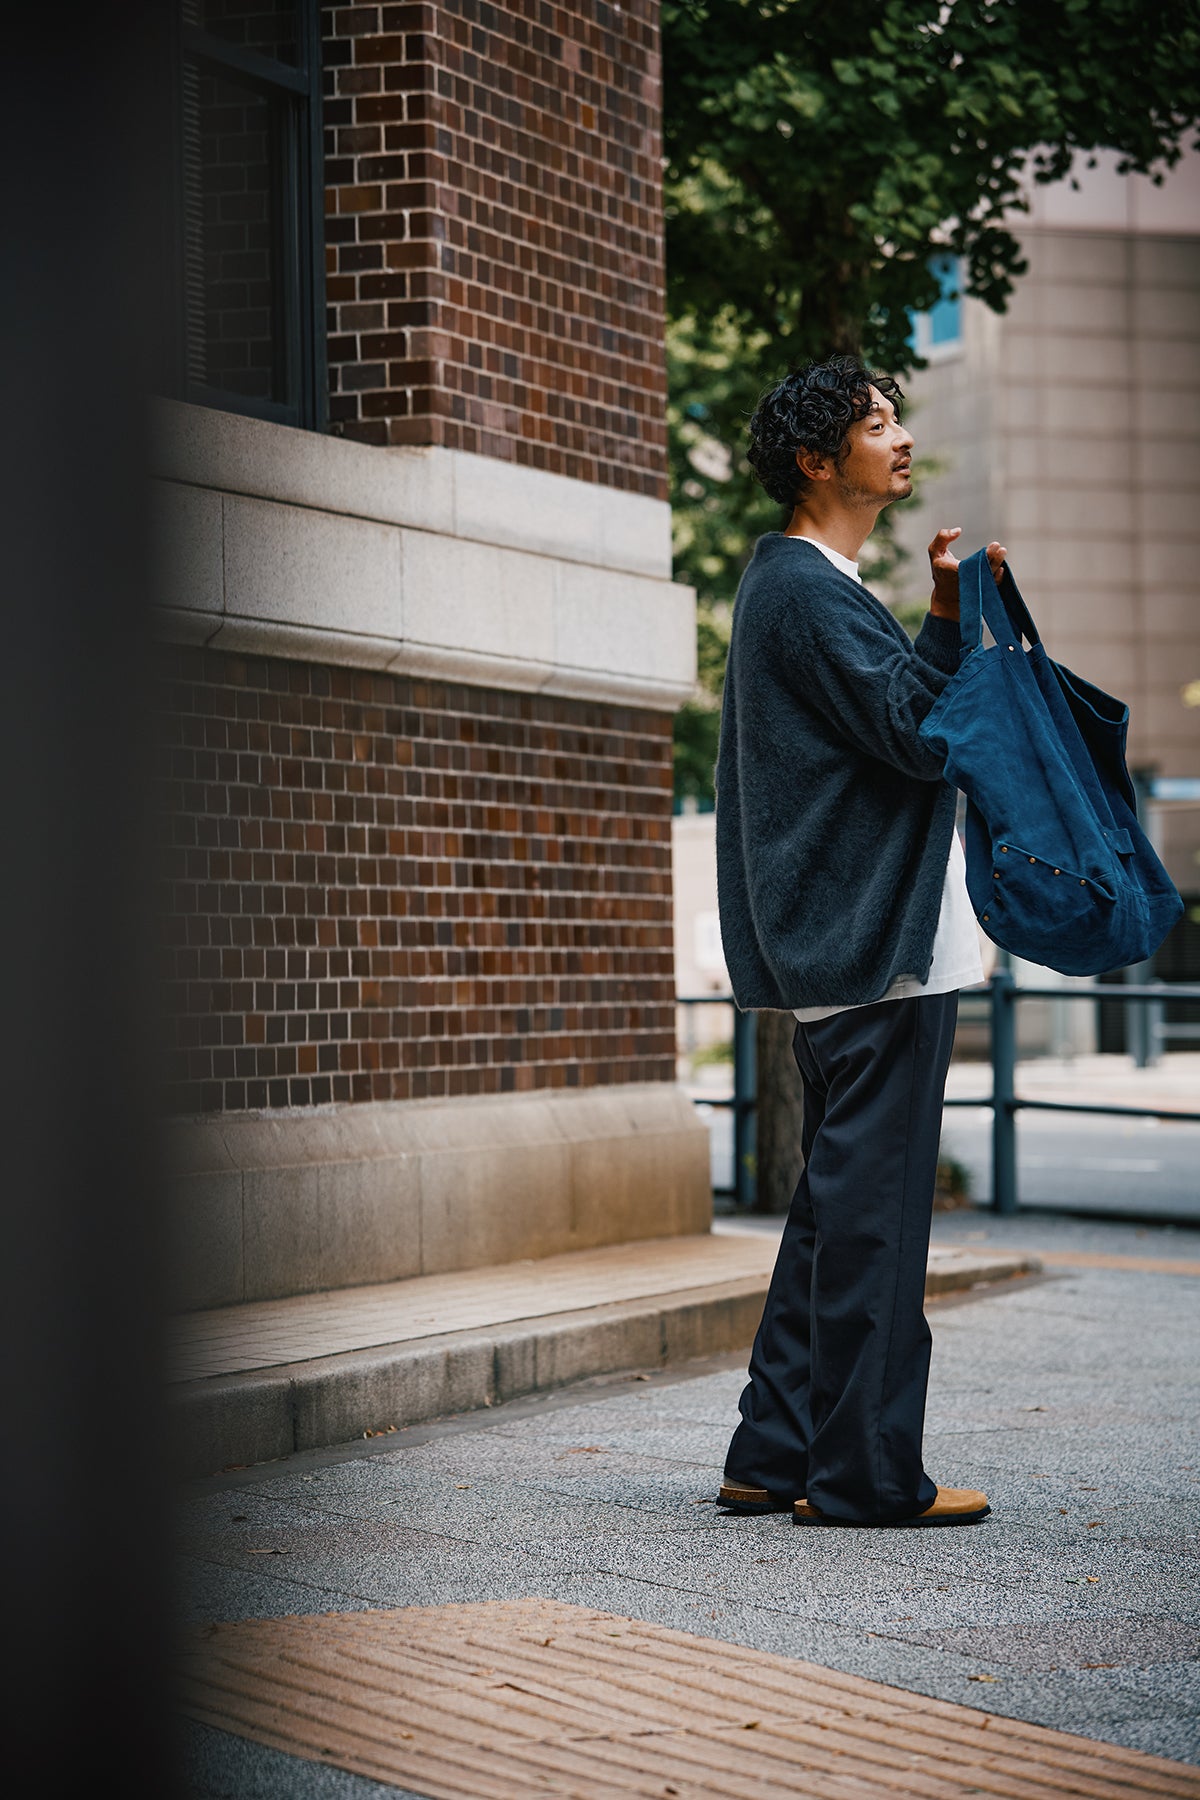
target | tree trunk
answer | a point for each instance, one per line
(780, 1113)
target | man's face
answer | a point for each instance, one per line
(876, 462)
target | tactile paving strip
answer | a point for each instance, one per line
(534, 1697)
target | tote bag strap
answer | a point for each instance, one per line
(1008, 619)
(980, 599)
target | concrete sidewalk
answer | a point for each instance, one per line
(545, 1599)
(260, 1381)
(1109, 1080)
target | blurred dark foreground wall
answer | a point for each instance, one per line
(84, 1491)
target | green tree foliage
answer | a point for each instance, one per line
(818, 158)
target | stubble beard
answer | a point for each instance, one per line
(890, 498)
(858, 496)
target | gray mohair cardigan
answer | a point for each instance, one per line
(833, 818)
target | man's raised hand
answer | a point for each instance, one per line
(944, 568)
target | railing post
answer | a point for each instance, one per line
(1156, 1030)
(745, 1091)
(1139, 1029)
(1137, 1013)
(1004, 1116)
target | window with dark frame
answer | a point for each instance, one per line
(249, 249)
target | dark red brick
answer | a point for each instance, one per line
(546, 218)
(487, 907)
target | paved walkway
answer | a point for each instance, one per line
(260, 1381)
(1172, 1082)
(1074, 1607)
(508, 1698)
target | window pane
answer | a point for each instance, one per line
(230, 256)
(945, 317)
(268, 26)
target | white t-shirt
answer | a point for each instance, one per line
(956, 959)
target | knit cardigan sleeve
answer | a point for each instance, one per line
(939, 643)
(849, 660)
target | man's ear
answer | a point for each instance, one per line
(812, 465)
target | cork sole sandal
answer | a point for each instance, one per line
(737, 1497)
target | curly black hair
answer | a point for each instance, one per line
(811, 409)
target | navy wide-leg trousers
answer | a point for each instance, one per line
(835, 1406)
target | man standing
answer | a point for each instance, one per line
(843, 899)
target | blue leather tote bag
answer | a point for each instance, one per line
(1058, 869)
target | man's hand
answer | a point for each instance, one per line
(943, 602)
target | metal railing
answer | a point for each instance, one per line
(743, 1101)
(1001, 995)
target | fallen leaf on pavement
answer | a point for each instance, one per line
(1099, 1665)
(1091, 1578)
(983, 1678)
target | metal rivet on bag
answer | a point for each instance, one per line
(1010, 646)
(1033, 859)
(1058, 871)
(1082, 882)
(1004, 847)
(986, 916)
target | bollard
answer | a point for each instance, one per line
(1004, 1112)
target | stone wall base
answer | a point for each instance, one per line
(265, 1205)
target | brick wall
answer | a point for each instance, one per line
(494, 232)
(385, 888)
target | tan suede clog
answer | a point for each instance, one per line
(953, 1506)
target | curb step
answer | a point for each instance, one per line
(259, 1414)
